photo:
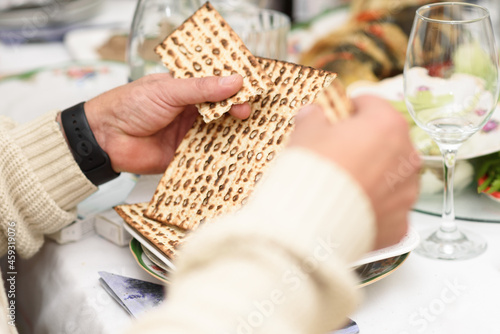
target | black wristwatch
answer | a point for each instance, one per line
(91, 158)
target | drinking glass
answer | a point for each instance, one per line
(451, 89)
(263, 31)
(153, 21)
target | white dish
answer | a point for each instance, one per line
(155, 259)
(145, 262)
(406, 245)
(149, 246)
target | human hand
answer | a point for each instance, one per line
(140, 125)
(374, 147)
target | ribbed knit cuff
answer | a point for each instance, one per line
(51, 160)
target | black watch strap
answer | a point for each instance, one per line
(93, 161)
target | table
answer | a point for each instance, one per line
(434, 296)
(59, 291)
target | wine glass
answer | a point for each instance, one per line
(263, 31)
(451, 89)
(153, 21)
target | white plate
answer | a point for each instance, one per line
(155, 259)
(31, 94)
(152, 248)
(406, 245)
(145, 262)
(483, 142)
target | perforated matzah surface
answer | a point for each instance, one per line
(205, 45)
(217, 165)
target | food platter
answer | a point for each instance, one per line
(484, 142)
(469, 205)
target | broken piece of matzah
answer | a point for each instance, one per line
(335, 102)
(205, 45)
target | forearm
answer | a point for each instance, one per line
(40, 182)
(280, 265)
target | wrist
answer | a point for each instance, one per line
(95, 120)
(93, 161)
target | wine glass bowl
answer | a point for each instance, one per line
(451, 90)
(153, 21)
(263, 31)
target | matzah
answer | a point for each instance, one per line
(218, 164)
(166, 238)
(205, 45)
(335, 102)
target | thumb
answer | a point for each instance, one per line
(184, 92)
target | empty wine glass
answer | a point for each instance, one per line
(153, 21)
(451, 90)
(263, 31)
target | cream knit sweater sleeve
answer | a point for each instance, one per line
(40, 183)
(280, 264)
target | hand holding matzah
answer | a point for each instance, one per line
(141, 124)
(217, 165)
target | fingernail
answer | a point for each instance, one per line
(228, 81)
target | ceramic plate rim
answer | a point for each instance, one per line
(140, 261)
(148, 245)
(406, 245)
(402, 258)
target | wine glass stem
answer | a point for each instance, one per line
(448, 224)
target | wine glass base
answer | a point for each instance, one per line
(459, 245)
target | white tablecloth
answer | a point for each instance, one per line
(437, 296)
(60, 291)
